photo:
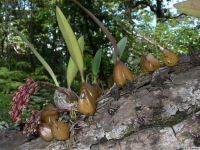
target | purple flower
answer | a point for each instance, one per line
(22, 98)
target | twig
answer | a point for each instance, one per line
(77, 122)
(106, 103)
(59, 88)
(105, 95)
(142, 36)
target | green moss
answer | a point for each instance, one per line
(177, 118)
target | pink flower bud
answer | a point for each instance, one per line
(23, 88)
(31, 90)
(14, 107)
(32, 118)
(16, 92)
(27, 120)
(18, 96)
(23, 92)
(29, 81)
(10, 112)
(33, 125)
(24, 132)
(19, 106)
(36, 89)
(19, 87)
(26, 98)
(34, 112)
(18, 119)
(14, 98)
(24, 106)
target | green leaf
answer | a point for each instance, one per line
(44, 63)
(70, 40)
(121, 46)
(96, 62)
(105, 30)
(190, 7)
(72, 68)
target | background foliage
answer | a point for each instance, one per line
(148, 25)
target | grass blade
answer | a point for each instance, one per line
(44, 63)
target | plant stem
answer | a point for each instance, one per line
(101, 25)
(144, 37)
(82, 76)
(59, 88)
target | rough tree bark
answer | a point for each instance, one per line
(149, 118)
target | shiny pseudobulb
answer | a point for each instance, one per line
(45, 133)
(169, 58)
(60, 130)
(86, 103)
(121, 73)
(48, 115)
(149, 63)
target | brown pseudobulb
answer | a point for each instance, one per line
(97, 88)
(151, 63)
(45, 133)
(73, 97)
(121, 73)
(48, 116)
(91, 90)
(169, 58)
(110, 81)
(86, 104)
(142, 60)
(60, 130)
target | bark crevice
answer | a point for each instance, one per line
(162, 118)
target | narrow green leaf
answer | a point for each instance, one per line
(44, 63)
(70, 40)
(96, 62)
(72, 68)
(101, 25)
(190, 7)
(121, 46)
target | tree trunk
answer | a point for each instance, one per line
(166, 117)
